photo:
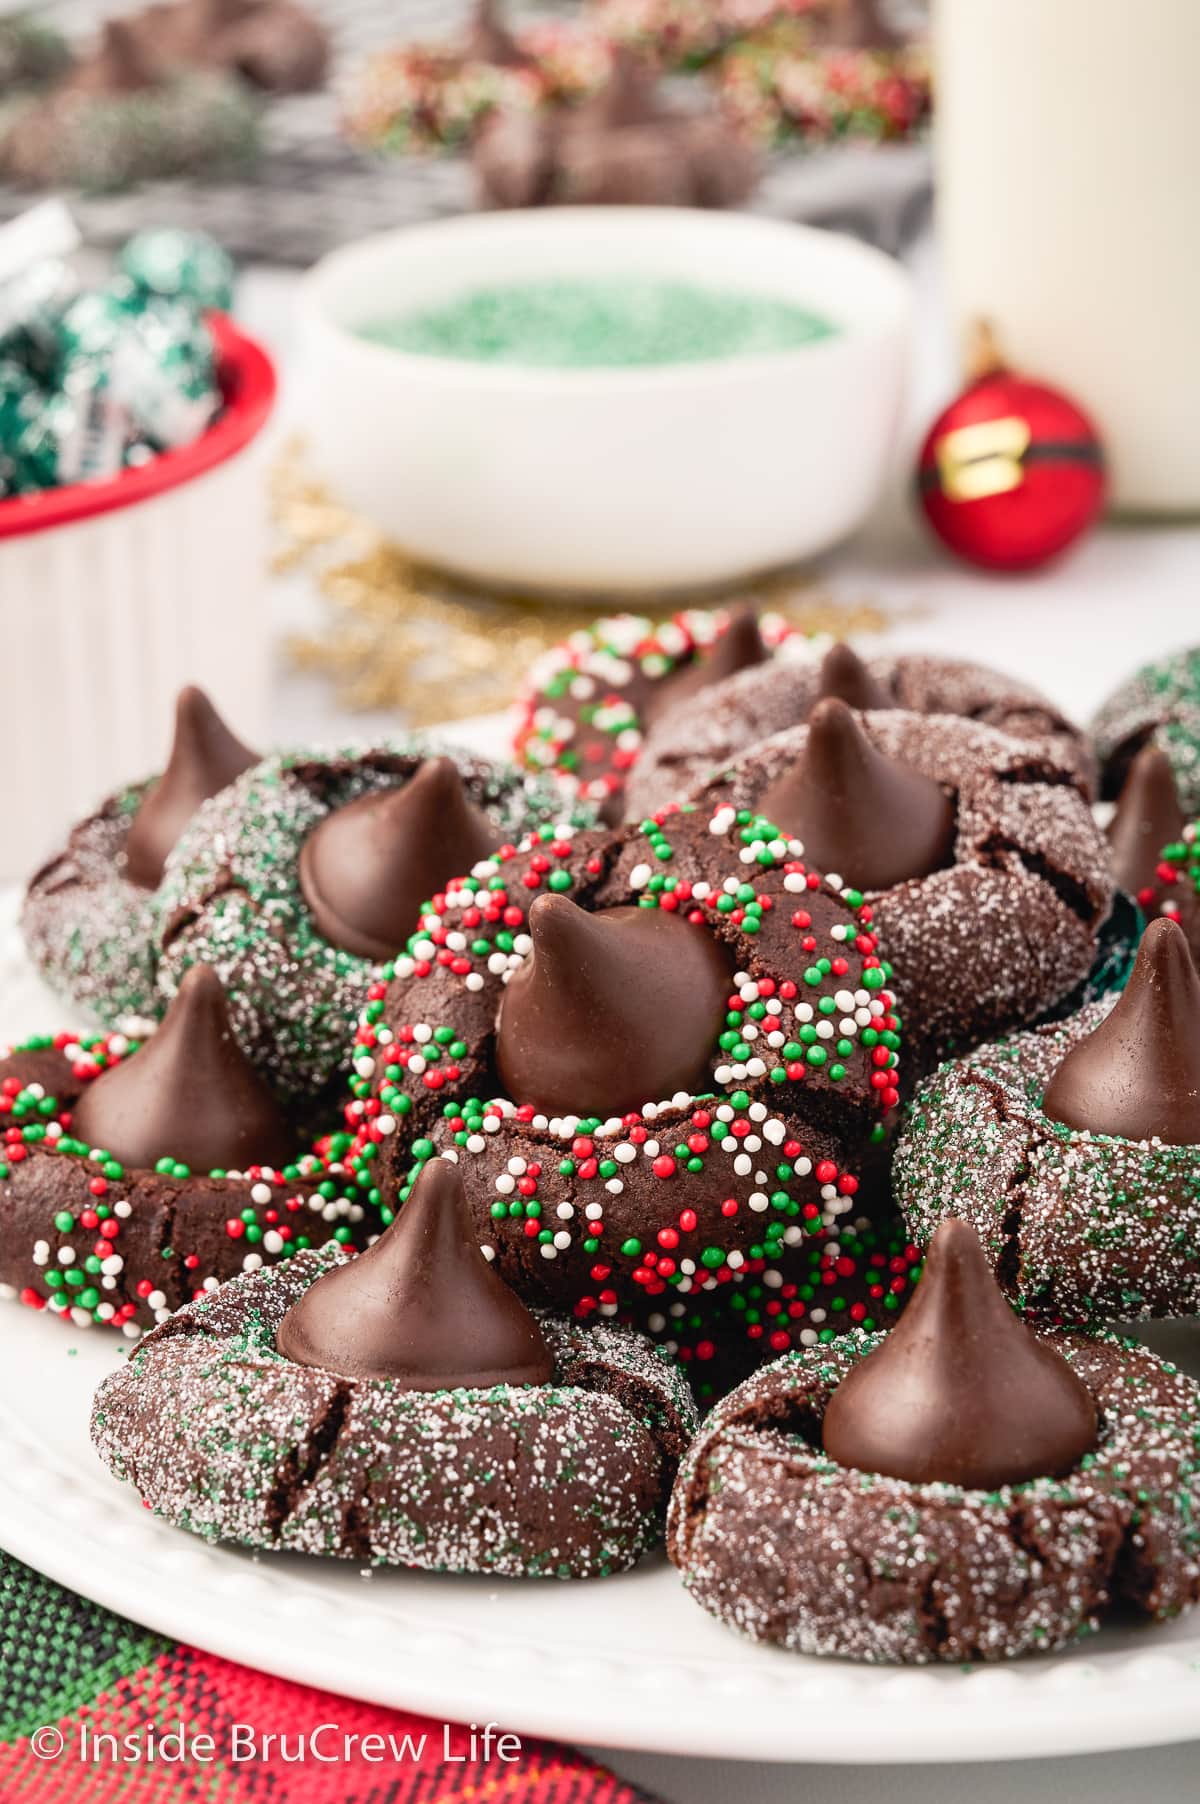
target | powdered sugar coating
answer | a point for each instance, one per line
(1079, 1227)
(1160, 702)
(784, 1545)
(90, 932)
(221, 1435)
(688, 743)
(232, 899)
(1011, 925)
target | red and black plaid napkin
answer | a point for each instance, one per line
(72, 1676)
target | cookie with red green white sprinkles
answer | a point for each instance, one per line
(584, 715)
(812, 1004)
(660, 1203)
(222, 1435)
(782, 1544)
(1177, 893)
(858, 1275)
(233, 896)
(99, 1245)
(600, 1211)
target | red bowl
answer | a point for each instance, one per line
(248, 384)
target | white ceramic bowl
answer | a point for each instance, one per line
(608, 481)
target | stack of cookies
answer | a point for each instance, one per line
(454, 1135)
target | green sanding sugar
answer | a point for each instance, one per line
(601, 323)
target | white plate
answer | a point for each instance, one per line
(629, 1662)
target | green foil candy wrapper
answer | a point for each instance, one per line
(180, 265)
(95, 381)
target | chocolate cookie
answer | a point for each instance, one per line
(625, 145)
(985, 876)
(960, 1489)
(1160, 704)
(653, 1053)
(688, 743)
(90, 915)
(477, 1439)
(1074, 1150)
(297, 882)
(1116, 950)
(589, 703)
(132, 1179)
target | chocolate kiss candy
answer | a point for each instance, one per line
(124, 63)
(190, 1094)
(367, 868)
(844, 675)
(490, 41)
(610, 1011)
(872, 820)
(739, 646)
(1147, 818)
(961, 1392)
(1137, 1076)
(422, 1306)
(205, 756)
(630, 96)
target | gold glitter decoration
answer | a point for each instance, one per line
(434, 647)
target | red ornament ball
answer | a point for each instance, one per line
(1011, 473)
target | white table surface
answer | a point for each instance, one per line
(1128, 593)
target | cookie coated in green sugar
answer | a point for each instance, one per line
(785, 1545)
(91, 933)
(1159, 703)
(91, 913)
(1079, 1226)
(233, 898)
(222, 1435)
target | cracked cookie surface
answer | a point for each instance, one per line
(1010, 925)
(232, 897)
(222, 1435)
(687, 744)
(784, 1545)
(1078, 1226)
(1159, 703)
(89, 930)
